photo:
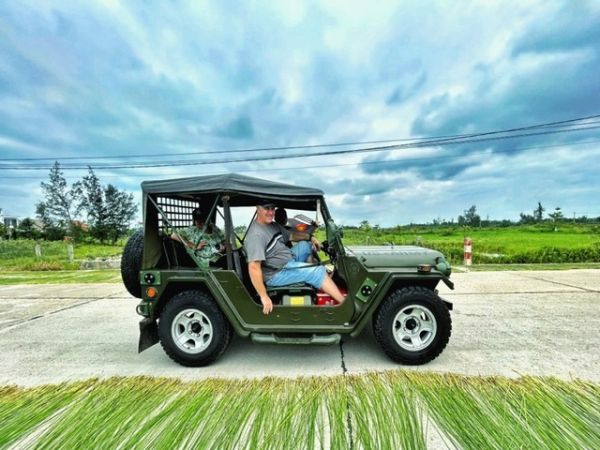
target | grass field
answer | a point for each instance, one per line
(512, 248)
(20, 255)
(393, 410)
(517, 244)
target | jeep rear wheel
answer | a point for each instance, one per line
(192, 329)
(131, 263)
(412, 325)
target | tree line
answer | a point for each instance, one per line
(471, 219)
(107, 210)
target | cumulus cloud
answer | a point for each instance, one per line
(109, 78)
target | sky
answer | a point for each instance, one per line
(186, 82)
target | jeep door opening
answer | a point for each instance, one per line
(194, 311)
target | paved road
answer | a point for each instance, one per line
(504, 323)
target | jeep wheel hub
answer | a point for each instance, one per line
(415, 327)
(192, 331)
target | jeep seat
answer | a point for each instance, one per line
(298, 289)
(275, 292)
(295, 289)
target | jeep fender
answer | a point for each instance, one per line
(384, 288)
(202, 280)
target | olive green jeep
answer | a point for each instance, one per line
(194, 310)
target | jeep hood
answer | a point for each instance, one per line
(396, 256)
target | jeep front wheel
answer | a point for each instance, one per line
(192, 329)
(412, 325)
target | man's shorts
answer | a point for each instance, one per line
(301, 251)
(299, 272)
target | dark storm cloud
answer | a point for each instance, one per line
(360, 187)
(239, 128)
(445, 164)
(575, 26)
(551, 74)
(404, 91)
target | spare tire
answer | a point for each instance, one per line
(131, 263)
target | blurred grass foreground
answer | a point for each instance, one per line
(392, 410)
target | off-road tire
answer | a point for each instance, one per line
(131, 263)
(194, 308)
(387, 324)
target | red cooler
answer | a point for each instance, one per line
(324, 299)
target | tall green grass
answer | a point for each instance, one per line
(392, 410)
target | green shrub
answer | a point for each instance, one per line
(41, 266)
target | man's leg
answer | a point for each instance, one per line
(295, 272)
(301, 251)
(298, 272)
(329, 287)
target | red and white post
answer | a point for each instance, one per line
(468, 259)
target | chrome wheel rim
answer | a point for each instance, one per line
(192, 331)
(414, 327)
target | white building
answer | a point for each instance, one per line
(10, 222)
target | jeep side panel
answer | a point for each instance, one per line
(243, 313)
(298, 319)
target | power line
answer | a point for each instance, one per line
(474, 138)
(435, 157)
(431, 140)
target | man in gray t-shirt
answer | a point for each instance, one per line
(271, 261)
(267, 242)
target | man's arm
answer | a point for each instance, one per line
(222, 241)
(182, 237)
(297, 236)
(315, 242)
(256, 277)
